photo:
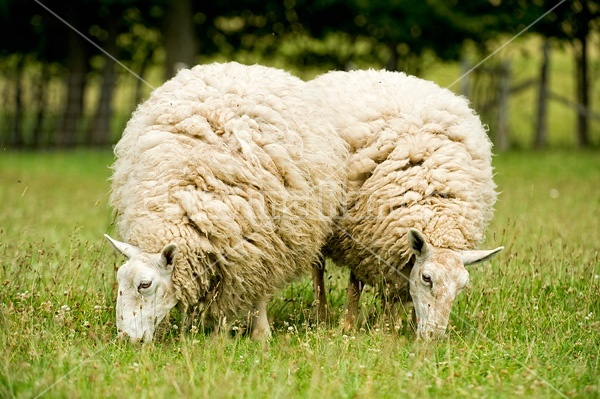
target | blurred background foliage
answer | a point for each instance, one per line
(59, 90)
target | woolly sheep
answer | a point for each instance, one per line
(420, 192)
(224, 192)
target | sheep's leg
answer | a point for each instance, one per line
(260, 323)
(318, 272)
(355, 287)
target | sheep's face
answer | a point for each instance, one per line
(146, 292)
(437, 277)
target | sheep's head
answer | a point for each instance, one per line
(146, 291)
(437, 277)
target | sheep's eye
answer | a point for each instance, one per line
(144, 284)
(426, 278)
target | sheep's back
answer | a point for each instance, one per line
(223, 161)
(420, 157)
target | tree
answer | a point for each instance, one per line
(94, 24)
(17, 54)
(573, 22)
(583, 13)
(540, 127)
(77, 65)
(178, 36)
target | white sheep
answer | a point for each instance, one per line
(420, 161)
(224, 192)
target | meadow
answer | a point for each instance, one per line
(528, 326)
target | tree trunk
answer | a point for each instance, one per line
(465, 83)
(179, 36)
(581, 67)
(542, 101)
(40, 96)
(139, 84)
(99, 133)
(392, 61)
(77, 68)
(582, 97)
(502, 139)
(17, 140)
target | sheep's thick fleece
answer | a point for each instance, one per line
(223, 161)
(419, 157)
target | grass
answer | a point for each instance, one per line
(529, 326)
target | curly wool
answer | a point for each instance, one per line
(419, 157)
(223, 161)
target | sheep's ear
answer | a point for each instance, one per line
(417, 242)
(167, 257)
(477, 256)
(124, 248)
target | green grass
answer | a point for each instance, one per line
(529, 325)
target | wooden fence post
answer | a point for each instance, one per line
(540, 123)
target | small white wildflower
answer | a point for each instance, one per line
(23, 295)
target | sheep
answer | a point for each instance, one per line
(224, 191)
(420, 192)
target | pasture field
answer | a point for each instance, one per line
(529, 326)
